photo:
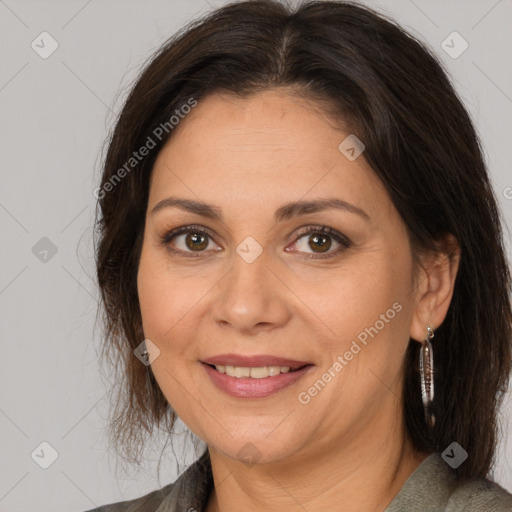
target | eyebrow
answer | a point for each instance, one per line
(285, 212)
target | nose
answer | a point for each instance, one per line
(251, 297)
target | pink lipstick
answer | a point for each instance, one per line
(255, 376)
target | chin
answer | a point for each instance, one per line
(258, 450)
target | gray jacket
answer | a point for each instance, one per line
(430, 488)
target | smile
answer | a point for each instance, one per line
(254, 372)
(253, 382)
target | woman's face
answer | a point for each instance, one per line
(256, 286)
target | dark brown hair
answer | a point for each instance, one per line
(394, 95)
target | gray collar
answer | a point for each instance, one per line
(430, 484)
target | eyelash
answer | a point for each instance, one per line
(322, 230)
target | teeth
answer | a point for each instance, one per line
(242, 372)
(253, 373)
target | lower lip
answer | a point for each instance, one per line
(254, 388)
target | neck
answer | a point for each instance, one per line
(363, 476)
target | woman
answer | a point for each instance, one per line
(300, 256)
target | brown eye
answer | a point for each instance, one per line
(318, 239)
(187, 240)
(196, 241)
(319, 243)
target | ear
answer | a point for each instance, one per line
(435, 283)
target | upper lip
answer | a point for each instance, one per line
(255, 361)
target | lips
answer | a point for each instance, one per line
(255, 361)
(284, 373)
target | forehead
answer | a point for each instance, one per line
(274, 120)
(271, 146)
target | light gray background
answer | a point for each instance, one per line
(55, 114)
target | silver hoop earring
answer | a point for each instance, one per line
(427, 377)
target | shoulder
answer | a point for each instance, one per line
(479, 495)
(434, 485)
(190, 491)
(150, 501)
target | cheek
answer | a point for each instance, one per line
(171, 302)
(162, 301)
(368, 310)
(164, 306)
(357, 296)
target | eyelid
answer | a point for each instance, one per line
(170, 234)
(323, 229)
(344, 241)
(294, 237)
(173, 233)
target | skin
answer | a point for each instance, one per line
(347, 448)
